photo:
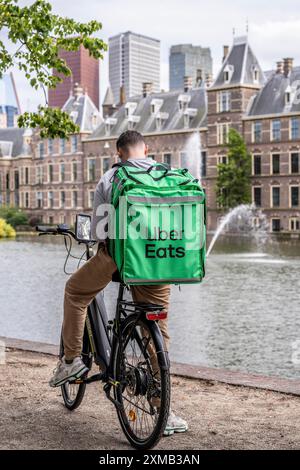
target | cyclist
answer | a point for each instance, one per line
(96, 273)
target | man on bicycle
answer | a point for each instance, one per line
(95, 274)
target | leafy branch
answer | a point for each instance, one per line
(38, 36)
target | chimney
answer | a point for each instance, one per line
(279, 66)
(225, 52)
(147, 88)
(199, 77)
(287, 66)
(122, 95)
(187, 83)
(208, 80)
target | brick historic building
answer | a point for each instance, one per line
(54, 180)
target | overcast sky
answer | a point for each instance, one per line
(274, 28)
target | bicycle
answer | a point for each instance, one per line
(129, 352)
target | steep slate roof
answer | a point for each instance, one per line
(84, 112)
(271, 98)
(109, 97)
(147, 122)
(242, 61)
(10, 135)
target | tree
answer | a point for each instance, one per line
(13, 216)
(234, 183)
(34, 38)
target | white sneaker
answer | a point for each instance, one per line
(65, 372)
(175, 424)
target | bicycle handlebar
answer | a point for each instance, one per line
(59, 230)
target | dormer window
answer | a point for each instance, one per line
(74, 115)
(255, 74)
(108, 124)
(288, 96)
(189, 114)
(132, 121)
(228, 72)
(160, 119)
(183, 101)
(130, 107)
(156, 105)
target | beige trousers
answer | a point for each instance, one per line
(84, 285)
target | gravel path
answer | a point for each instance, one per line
(220, 416)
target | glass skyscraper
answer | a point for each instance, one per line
(188, 60)
(133, 59)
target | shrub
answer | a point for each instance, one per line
(6, 230)
(13, 216)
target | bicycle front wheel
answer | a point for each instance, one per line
(73, 393)
(142, 386)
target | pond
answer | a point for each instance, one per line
(244, 316)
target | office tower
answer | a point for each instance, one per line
(133, 60)
(85, 72)
(9, 102)
(188, 60)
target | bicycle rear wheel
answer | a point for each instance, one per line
(73, 393)
(143, 387)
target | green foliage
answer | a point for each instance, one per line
(13, 216)
(6, 230)
(36, 35)
(234, 183)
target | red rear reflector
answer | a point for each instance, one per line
(156, 315)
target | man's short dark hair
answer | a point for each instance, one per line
(129, 139)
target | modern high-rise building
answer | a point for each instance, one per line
(133, 60)
(9, 102)
(85, 72)
(188, 60)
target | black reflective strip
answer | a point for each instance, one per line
(165, 200)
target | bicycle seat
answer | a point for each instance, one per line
(116, 277)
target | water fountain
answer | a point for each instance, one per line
(241, 220)
(193, 155)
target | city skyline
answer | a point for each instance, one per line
(197, 23)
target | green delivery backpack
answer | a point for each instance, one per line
(157, 231)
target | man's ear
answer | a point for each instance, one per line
(146, 150)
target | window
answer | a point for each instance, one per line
(222, 133)
(151, 155)
(50, 200)
(257, 196)
(167, 158)
(294, 162)
(62, 145)
(50, 171)
(50, 146)
(203, 165)
(257, 164)
(294, 224)
(75, 199)
(294, 196)
(294, 128)
(62, 199)
(105, 164)
(74, 171)
(91, 199)
(184, 160)
(257, 132)
(276, 130)
(275, 196)
(62, 172)
(222, 159)
(26, 175)
(39, 199)
(74, 143)
(39, 174)
(41, 150)
(224, 101)
(91, 169)
(275, 225)
(275, 164)
(26, 200)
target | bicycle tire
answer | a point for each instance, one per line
(73, 403)
(151, 440)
